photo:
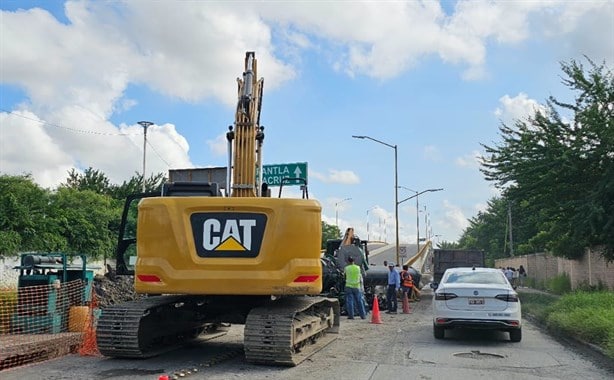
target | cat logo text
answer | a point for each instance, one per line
(228, 234)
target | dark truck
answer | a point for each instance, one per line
(453, 258)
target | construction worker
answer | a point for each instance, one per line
(353, 293)
(407, 282)
(394, 284)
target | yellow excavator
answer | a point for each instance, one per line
(205, 260)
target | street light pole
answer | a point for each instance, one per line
(417, 218)
(145, 125)
(396, 189)
(337, 212)
(417, 211)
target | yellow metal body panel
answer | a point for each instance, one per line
(228, 246)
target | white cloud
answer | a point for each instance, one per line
(471, 160)
(381, 224)
(520, 107)
(573, 27)
(219, 146)
(23, 132)
(480, 207)
(346, 177)
(453, 223)
(190, 53)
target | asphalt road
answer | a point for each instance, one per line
(402, 346)
(386, 252)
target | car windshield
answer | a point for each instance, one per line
(475, 278)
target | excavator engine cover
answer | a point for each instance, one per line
(228, 246)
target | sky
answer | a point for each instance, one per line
(435, 79)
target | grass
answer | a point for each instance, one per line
(588, 316)
(536, 304)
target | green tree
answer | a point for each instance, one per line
(24, 219)
(489, 230)
(135, 185)
(560, 170)
(329, 232)
(83, 219)
(448, 245)
(91, 179)
(98, 182)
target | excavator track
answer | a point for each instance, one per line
(290, 330)
(150, 326)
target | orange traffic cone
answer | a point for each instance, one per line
(406, 309)
(375, 318)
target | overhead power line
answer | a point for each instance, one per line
(83, 131)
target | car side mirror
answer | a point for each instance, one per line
(434, 285)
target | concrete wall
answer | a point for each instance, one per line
(10, 276)
(590, 269)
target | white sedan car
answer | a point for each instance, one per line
(476, 298)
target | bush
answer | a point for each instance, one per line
(584, 286)
(560, 284)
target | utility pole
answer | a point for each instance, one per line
(145, 125)
(509, 221)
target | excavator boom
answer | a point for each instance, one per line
(248, 134)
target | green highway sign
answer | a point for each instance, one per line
(273, 174)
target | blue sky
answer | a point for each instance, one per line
(434, 78)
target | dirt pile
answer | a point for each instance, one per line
(112, 289)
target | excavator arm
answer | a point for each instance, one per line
(245, 142)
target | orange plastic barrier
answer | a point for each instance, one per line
(41, 322)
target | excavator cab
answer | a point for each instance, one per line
(125, 252)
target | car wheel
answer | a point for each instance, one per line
(516, 335)
(438, 332)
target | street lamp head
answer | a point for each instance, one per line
(406, 188)
(337, 212)
(358, 137)
(343, 200)
(145, 124)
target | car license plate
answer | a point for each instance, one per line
(476, 301)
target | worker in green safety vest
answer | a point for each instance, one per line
(353, 291)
